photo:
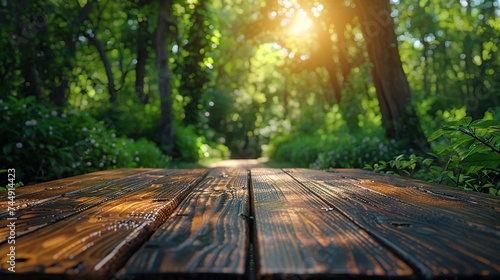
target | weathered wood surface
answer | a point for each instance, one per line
(95, 241)
(55, 201)
(437, 243)
(30, 196)
(298, 234)
(206, 235)
(260, 223)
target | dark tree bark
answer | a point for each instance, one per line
(166, 117)
(393, 91)
(26, 30)
(59, 93)
(324, 57)
(142, 55)
(194, 79)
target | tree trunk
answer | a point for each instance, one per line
(393, 91)
(58, 95)
(142, 55)
(326, 51)
(26, 31)
(166, 119)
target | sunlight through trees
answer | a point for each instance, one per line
(322, 83)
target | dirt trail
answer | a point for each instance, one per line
(240, 163)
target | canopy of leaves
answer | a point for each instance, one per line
(290, 79)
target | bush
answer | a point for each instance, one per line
(467, 155)
(44, 144)
(190, 147)
(343, 149)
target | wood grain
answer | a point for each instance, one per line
(298, 234)
(479, 210)
(443, 191)
(98, 240)
(52, 205)
(206, 237)
(302, 223)
(437, 243)
(30, 195)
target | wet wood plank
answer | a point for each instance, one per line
(479, 210)
(52, 205)
(97, 241)
(445, 192)
(31, 195)
(297, 234)
(308, 224)
(206, 237)
(439, 243)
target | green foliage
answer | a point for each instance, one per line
(232, 86)
(467, 155)
(44, 144)
(9, 184)
(411, 166)
(134, 120)
(191, 147)
(343, 149)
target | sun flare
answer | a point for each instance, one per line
(301, 23)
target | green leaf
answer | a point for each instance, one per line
(438, 133)
(474, 169)
(29, 132)
(492, 124)
(491, 160)
(369, 167)
(427, 161)
(7, 148)
(456, 124)
(433, 154)
(494, 191)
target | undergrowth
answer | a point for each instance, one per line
(466, 155)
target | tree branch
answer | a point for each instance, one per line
(107, 65)
(473, 135)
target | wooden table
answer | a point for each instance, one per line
(263, 223)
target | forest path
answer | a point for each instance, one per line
(238, 163)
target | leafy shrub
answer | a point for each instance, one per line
(187, 143)
(190, 147)
(302, 149)
(9, 182)
(133, 120)
(467, 156)
(44, 144)
(343, 149)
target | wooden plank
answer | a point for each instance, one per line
(97, 241)
(53, 207)
(446, 192)
(437, 243)
(296, 233)
(477, 209)
(29, 196)
(206, 237)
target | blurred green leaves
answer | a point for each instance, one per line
(467, 155)
(44, 144)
